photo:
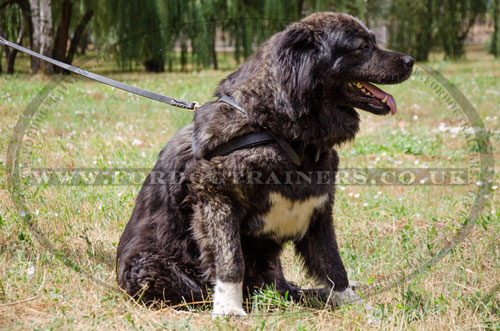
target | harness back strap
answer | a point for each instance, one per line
(252, 139)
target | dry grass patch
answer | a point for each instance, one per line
(385, 232)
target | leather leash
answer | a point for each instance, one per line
(245, 141)
(101, 79)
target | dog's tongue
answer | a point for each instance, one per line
(381, 95)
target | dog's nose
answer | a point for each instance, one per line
(408, 60)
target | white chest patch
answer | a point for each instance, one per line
(288, 218)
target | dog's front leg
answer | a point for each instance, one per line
(321, 256)
(217, 230)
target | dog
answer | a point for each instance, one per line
(206, 223)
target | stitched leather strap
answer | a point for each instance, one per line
(105, 80)
(246, 141)
(259, 138)
(230, 101)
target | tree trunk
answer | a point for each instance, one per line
(1, 54)
(62, 34)
(495, 39)
(10, 54)
(300, 8)
(366, 13)
(83, 44)
(41, 19)
(77, 35)
(184, 52)
(36, 24)
(3, 34)
(213, 44)
(46, 34)
(11, 57)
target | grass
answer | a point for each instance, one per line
(383, 231)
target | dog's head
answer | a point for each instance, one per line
(335, 56)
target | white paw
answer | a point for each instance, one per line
(223, 311)
(346, 296)
(354, 284)
(228, 299)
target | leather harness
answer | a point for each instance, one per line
(252, 139)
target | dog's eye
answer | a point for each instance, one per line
(361, 47)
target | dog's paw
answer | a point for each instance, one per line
(221, 310)
(346, 296)
(354, 284)
(228, 300)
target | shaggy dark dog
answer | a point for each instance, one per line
(219, 222)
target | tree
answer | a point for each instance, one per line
(456, 17)
(136, 26)
(194, 26)
(495, 38)
(412, 27)
(417, 26)
(13, 27)
(41, 18)
(71, 12)
(14, 22)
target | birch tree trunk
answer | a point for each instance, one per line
(46, 41)
(41, 17)
(35, 22)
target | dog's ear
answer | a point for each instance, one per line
(295, 57)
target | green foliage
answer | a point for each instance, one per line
(10, 21)
(455, 20)
(267, 299)
(13, 26)
(250, 23)
(184, 33)
(414, 142)
(158, 30)
(414, 305)
(139, 34)
(415, 27)
(412, 26)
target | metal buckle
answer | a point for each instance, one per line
(196, 105)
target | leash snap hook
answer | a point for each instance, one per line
(196, 105)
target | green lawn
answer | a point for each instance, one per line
(384, 231)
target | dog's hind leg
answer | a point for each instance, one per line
(153, 278)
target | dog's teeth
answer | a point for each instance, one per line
(384, 100)
(358, 85)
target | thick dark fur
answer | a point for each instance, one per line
(184, 235)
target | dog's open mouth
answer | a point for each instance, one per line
(369, 97)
